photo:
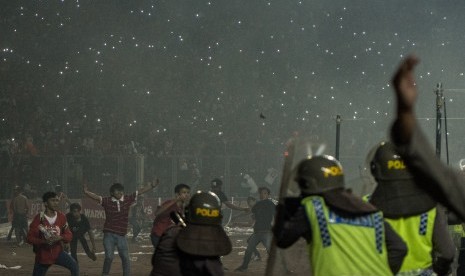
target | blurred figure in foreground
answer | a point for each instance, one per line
(445, 185)
(345, 235)
(165, 259)
(412, 213)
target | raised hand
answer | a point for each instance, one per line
(84, 186)
(404, 85)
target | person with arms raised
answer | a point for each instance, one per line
(115, 228)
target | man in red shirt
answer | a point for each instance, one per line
(47, 231)
(115, 228)
(162, 214)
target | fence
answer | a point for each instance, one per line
(42, 173)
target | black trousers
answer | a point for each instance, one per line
(461, 260)
(85, 246)
(20, 226)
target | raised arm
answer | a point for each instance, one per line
(235, 207)
(88, 193)
(444, 184)
(149, 186)
(406, 93)
(161, 209)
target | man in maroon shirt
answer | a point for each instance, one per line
(47, 232)
(115, 228)
(162, 214)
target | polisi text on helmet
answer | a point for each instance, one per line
(331, 171)
(396, 165)
(207, 212)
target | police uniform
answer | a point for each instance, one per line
(203, 240)
(165, 259)
(329, 217)
(444, 184)
(412, 213)
(461, 247)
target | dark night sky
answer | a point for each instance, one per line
(184, 67)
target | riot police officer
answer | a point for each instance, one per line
(412, 213)
(345, 235)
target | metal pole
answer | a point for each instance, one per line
(439, 104)
(338, 134)
(445, 130)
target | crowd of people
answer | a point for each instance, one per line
(193, 247)
(398, 229)
(35, 127)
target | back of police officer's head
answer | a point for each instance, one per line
(397, 193)
(204, 208)
(319, 174)
(387, 164)
(204, 235)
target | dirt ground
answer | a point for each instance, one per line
(140, 253)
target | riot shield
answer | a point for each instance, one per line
(294, 258)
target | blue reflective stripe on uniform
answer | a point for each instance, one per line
(427, 272)
(423, 223)
(320, 216)
(417, 272)
(378, 232)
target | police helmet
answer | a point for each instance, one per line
(388, 165)
(319, 174)
(204, 208)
